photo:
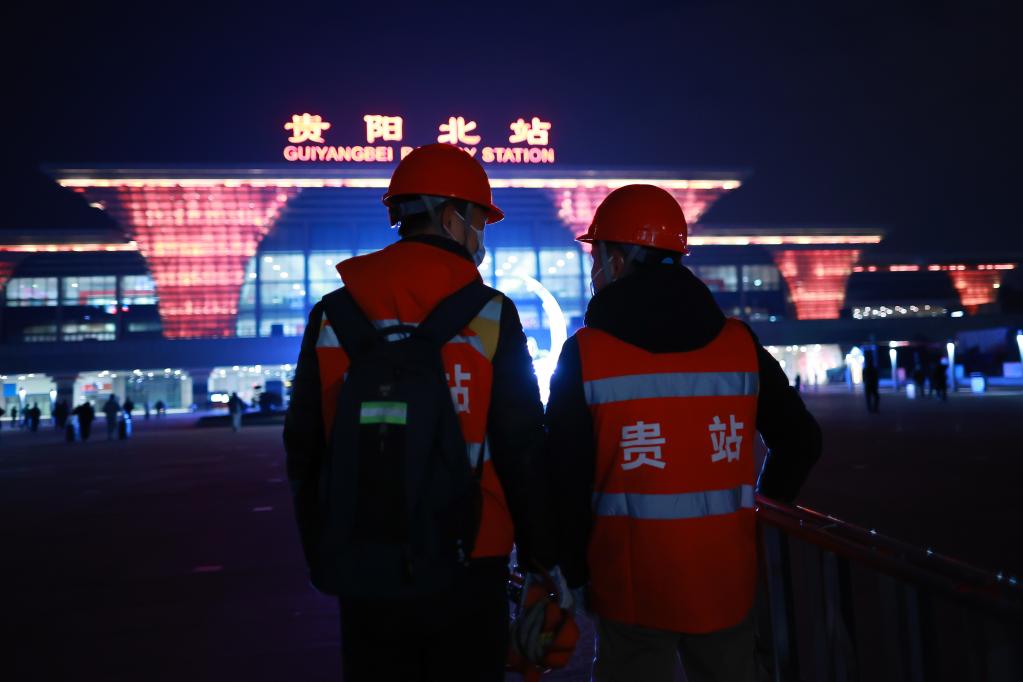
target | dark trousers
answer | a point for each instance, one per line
(873, 399)
(462, 636)
(628, 653)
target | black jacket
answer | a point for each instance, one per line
(662, 309)
(514, 431)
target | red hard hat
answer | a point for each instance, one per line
(640, 214)
(443, 170)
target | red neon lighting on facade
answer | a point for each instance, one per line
(576, 205)
(197, 242)
(6, 270)
(59, 248)
(936, 267)
(816, 280)
(976, 287)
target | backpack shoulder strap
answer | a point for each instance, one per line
(455, 312)
(351, 326)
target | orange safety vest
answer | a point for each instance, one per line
(401, 284)
(673, 543)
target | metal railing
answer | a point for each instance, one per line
(845, 603)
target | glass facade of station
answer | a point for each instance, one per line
(282, 286)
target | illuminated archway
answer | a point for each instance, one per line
(544, 365)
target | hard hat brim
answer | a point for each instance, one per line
(494, 214)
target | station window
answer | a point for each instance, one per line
(144, 327)
(246, 325)
(95, 331)
(718, 278)
(323, 277)
(90, 290)
(289, 325)
(760, 278)
(289, 295)
(138, 290)
(31, 291)
(247, 300)
(39, 333)
(561, 274)
(508, 263)
(282, 267)
(323, 265)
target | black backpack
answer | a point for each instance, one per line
(399, 500)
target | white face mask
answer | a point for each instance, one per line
(481, 250)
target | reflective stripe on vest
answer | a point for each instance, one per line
(473, 452)
(670, 385)
(473, 341)
(492, 310)
(673, 506)
(327, 337)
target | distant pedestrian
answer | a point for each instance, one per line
(939, 380)
(14, 417)
(236, 406)
(26, 416)
(60, 414)
(111, 409)
(799, 381)
(34, 415)
(86, 414)
(128, 406)
(2, 413)
(161, 408)
(870, 385)
(145, 408)
(919, 378)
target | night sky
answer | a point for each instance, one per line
(853, 115)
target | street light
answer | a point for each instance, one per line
(951, 348)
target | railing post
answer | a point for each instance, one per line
(779, 598)
(1001, 653)
(809, 558)
(902, 629)
(913, 630)
(836, 612)
(914, 636)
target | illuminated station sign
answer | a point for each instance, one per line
(528, 141)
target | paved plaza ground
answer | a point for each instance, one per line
(173, 556)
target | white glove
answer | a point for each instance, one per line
(565, 598)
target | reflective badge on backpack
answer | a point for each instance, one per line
(381, 510)
(383, 413)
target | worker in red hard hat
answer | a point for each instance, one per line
(652, 416)
(421, 586)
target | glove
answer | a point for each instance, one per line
(527, 631)
(553, 581)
